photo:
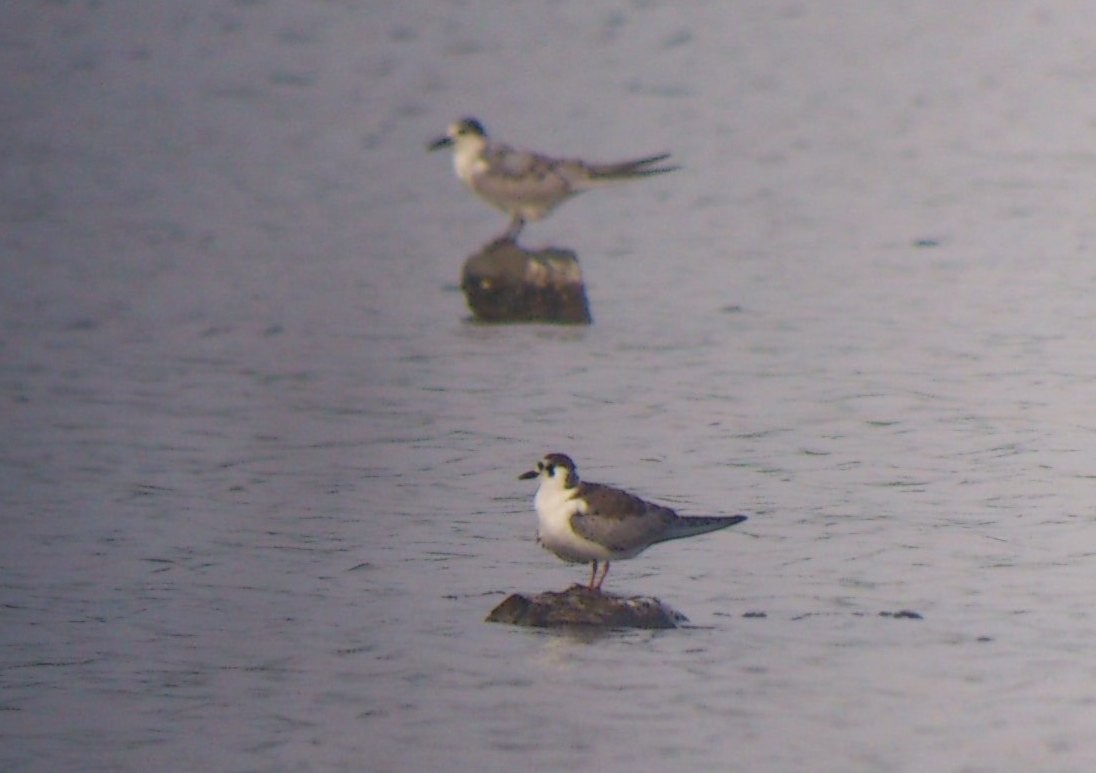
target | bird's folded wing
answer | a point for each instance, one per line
(619, 520)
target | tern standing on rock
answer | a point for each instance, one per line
(526, 185)
(588, 522)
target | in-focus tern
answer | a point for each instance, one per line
(591, 523)
(527, 185)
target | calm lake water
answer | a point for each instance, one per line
(258, 472)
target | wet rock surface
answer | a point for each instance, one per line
(580, 606)
(504, 282)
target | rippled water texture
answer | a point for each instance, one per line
(258, 471)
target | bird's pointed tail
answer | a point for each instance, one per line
(640, 167)
(693, 525)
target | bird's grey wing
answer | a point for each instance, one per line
(521, 177)
(505, 161)
(620, 521)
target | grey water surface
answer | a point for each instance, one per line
(258, 470)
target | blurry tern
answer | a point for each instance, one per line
(526, 185)
(588, 522)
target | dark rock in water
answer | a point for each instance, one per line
(580, 606)
(505, 283)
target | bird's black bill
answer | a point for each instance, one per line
(440, 142)
(528, 475)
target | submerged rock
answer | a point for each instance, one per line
(506, 283)
(578, 605)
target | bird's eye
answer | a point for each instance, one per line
(551, 468)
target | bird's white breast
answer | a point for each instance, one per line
(468, 161)
(555, 506)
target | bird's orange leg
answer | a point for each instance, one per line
(604, 572)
